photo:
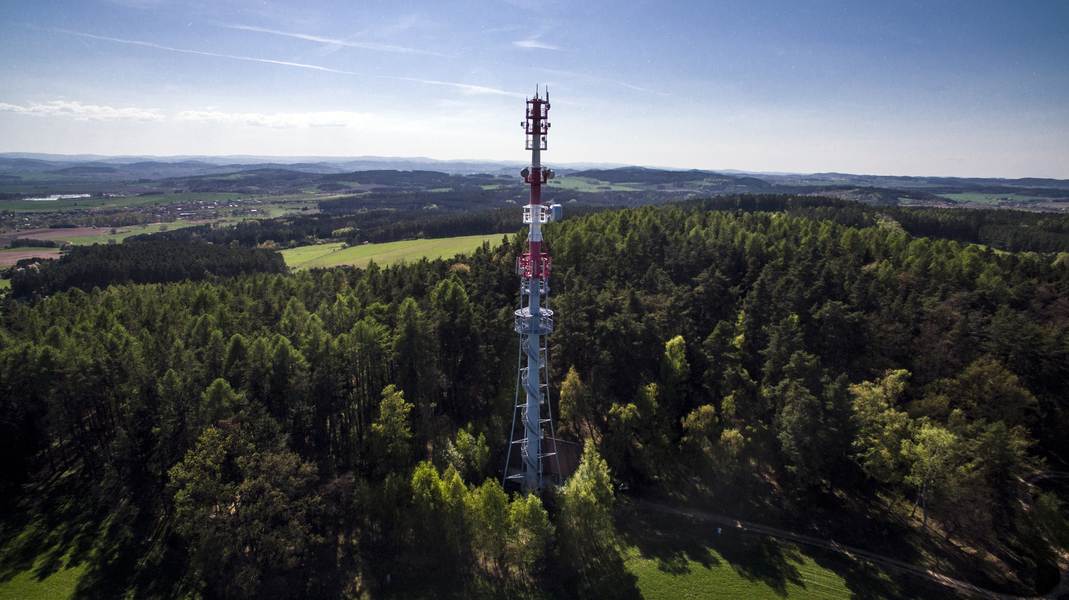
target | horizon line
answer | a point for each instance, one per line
(607, 165)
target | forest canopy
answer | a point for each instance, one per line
(305, 434)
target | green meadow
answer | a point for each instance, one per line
(335, 254)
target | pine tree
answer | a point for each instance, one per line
(413, 356)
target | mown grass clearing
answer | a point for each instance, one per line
(677, 557)
(716, 579)
(334, 254)
(37, 582)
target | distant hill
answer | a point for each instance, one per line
(200, 165)
(27, 174)
(913, 182)
(86, 170)
(692, 180)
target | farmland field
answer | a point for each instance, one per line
(587, 184)
(332, 255)
(114, 201)
(992, 199)
(104, 235)
(83, 236)
(10, 256)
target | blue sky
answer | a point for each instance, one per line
(968, 88)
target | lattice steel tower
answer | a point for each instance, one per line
(533, 320)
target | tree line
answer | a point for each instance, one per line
(99, 265)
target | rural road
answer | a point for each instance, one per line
(961, 587)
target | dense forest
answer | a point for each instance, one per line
(157, 261)
(1002, 229)
(382, 225)
(341, 432)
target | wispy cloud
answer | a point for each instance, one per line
(599, 80)
(139, 4)
(83, 112)
(335, 41)
(503, 29)
(467, 88)
(290, 120)
(73, 109)
(533, 43)
(143, 44)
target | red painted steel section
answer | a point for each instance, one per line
(535, 126)
(525, 267)
(536, 262)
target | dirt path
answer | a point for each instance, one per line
(962, 587)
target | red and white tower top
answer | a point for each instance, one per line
(535, 263)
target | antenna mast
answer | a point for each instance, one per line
(533, 321)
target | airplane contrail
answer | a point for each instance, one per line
(143, 44)
(464, 87)
(334, 41)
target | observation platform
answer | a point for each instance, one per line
(528, 324)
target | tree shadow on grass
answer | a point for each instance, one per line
(607, 576)
(658, 536)
(51, 528)
(597, 571)
(759, 558)
(133, 556)
(57, 526)
(677, 541)
(867, 581)
(862, 520)
(115, 558)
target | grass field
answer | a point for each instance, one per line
(675, 557)
(333, 255)
(5, 284)
(44, 559)
(36, 583)
(587, 184)
(992, 199)
(713, 577)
